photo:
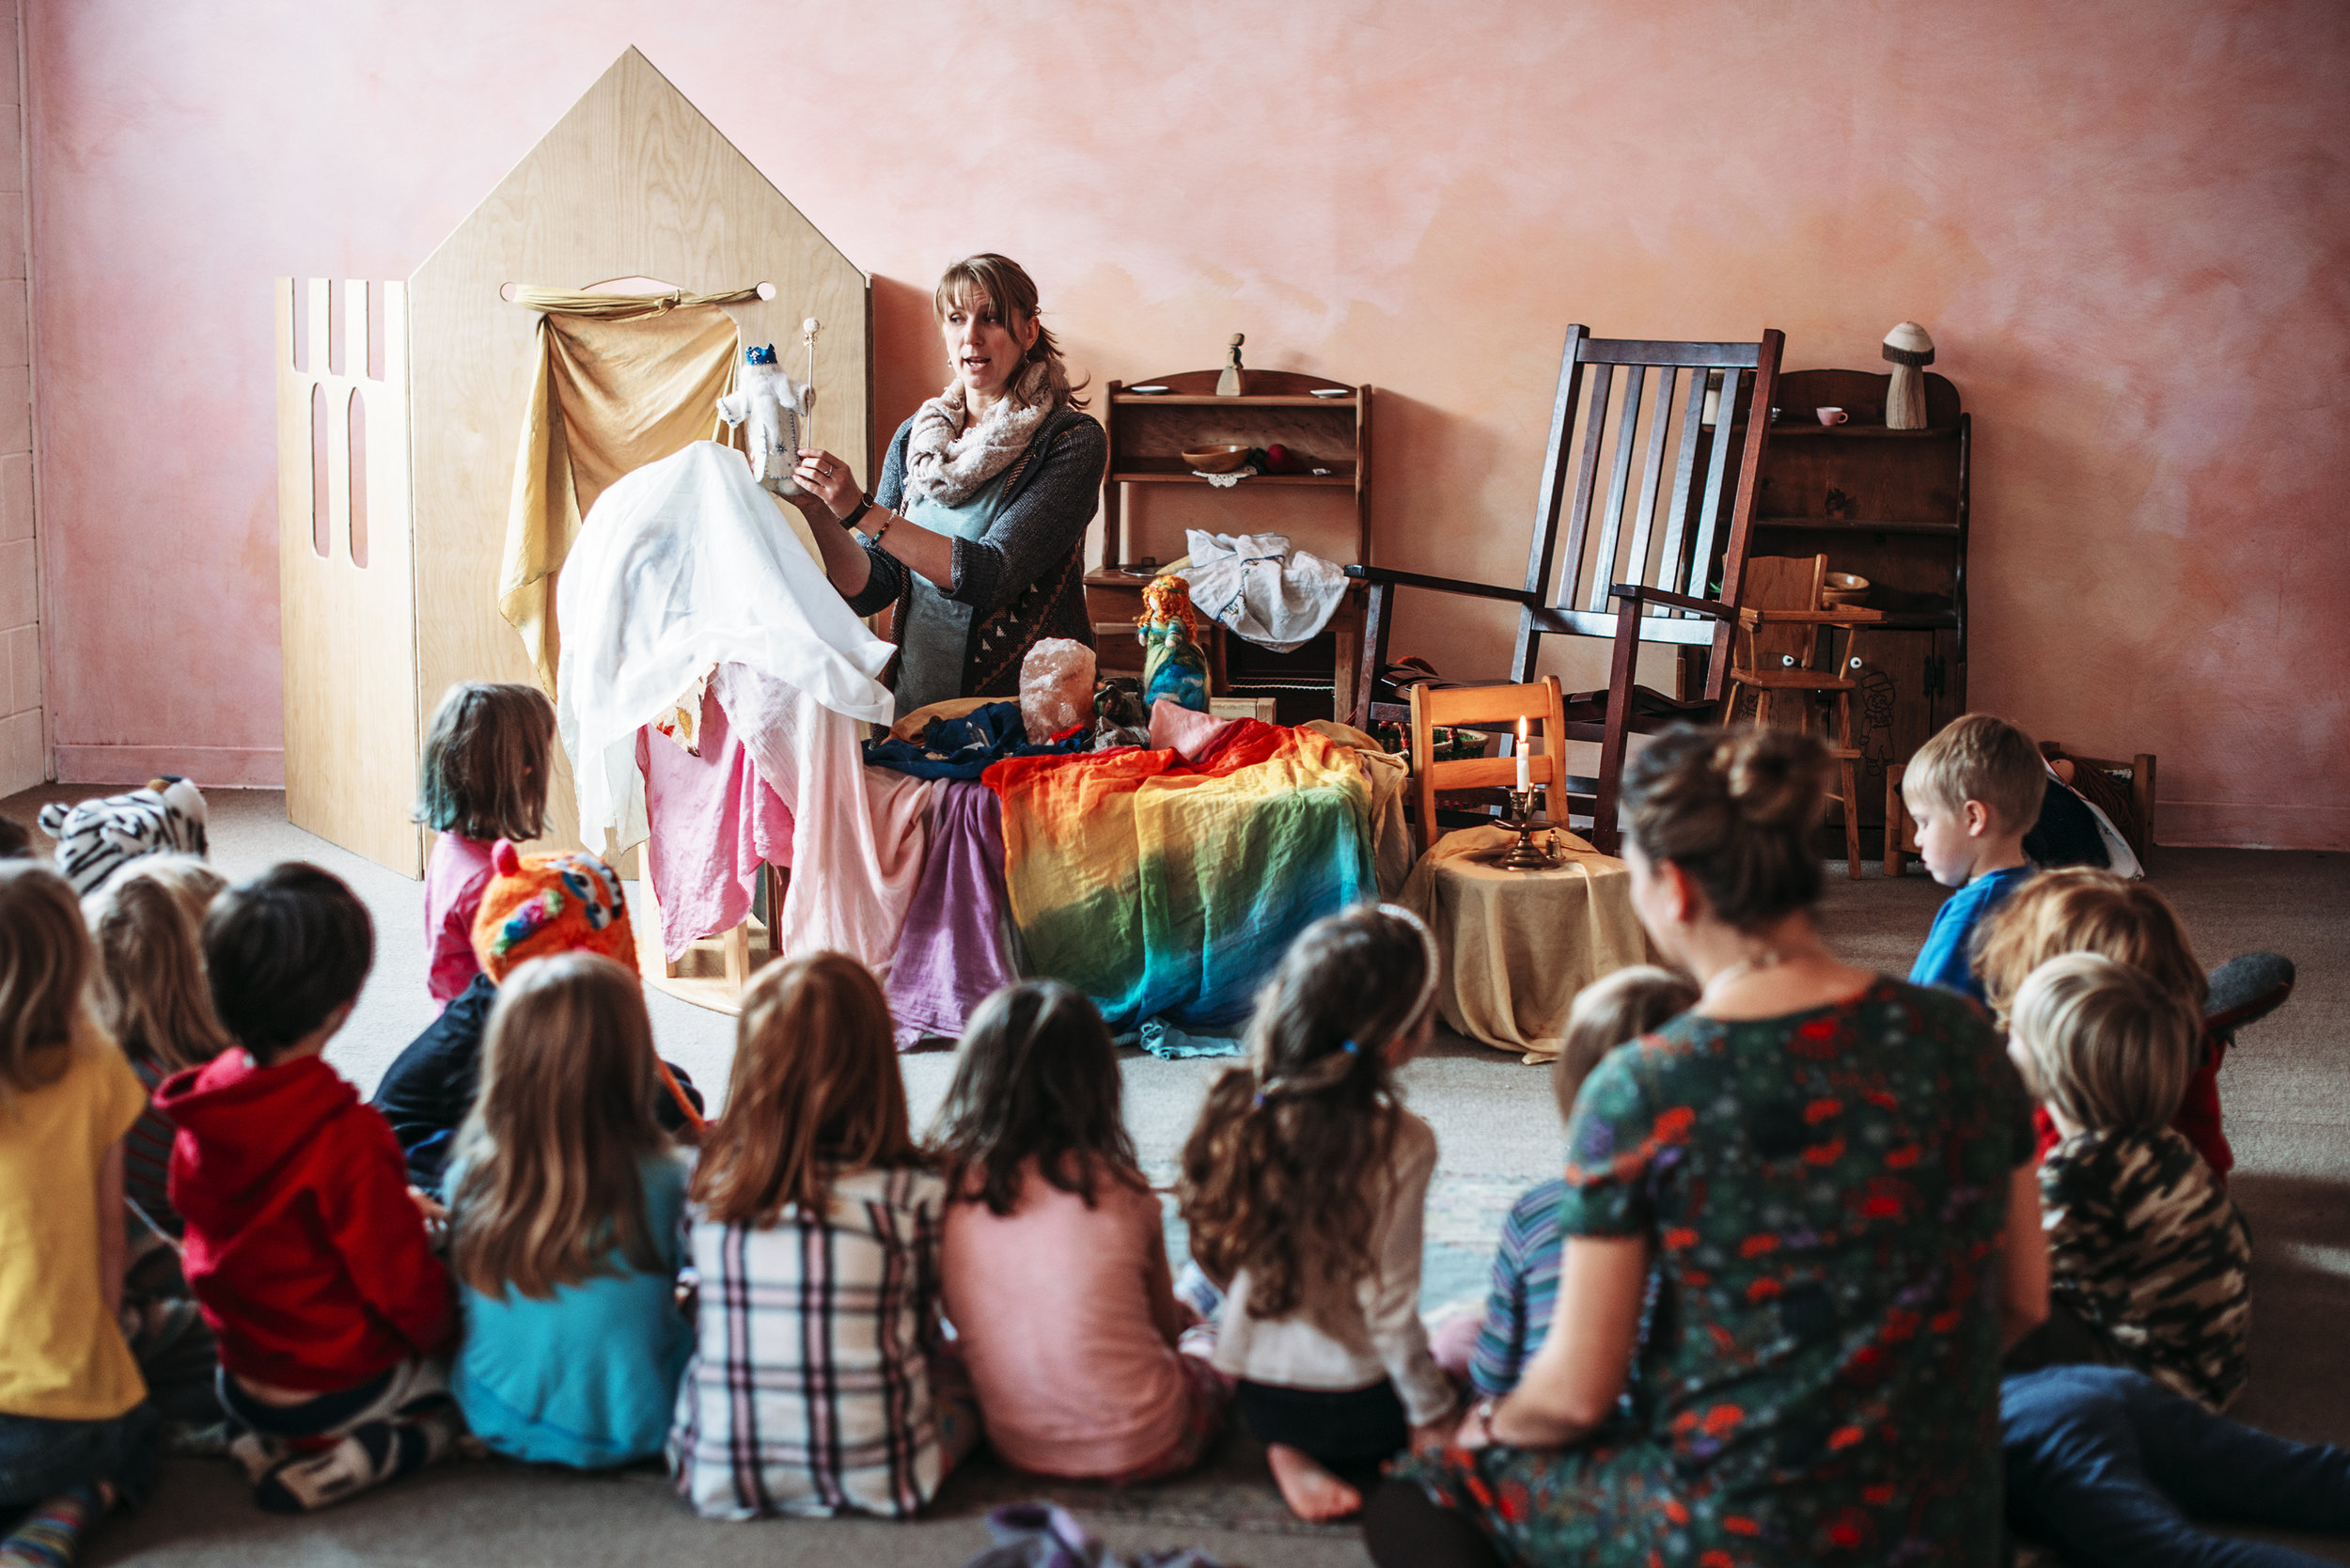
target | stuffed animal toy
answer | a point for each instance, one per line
(1172, 664)
(538, 905)
(775, 407)
(98, 835)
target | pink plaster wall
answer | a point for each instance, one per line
(2127, 225)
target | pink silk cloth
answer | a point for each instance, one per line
(780, 781)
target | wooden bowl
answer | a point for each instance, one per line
(1217, 460)
(1844, 588)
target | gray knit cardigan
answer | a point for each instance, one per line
(1025, 577)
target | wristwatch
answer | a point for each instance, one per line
(862, 507)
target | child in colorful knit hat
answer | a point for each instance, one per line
(533, 906)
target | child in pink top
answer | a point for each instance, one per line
(483, 777)
(1054, 1264)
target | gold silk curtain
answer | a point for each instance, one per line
(621, 380)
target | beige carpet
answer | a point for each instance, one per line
(2286, 1092)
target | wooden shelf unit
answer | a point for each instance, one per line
(1900, 506)
(1148, 433)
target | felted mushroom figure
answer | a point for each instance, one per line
(1910, 350)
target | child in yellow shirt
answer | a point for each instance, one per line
(76, 1431)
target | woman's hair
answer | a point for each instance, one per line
(814, 1093)
(44, 969)
(1606, 1012)
(1283, 1175)
(563, 1120)
(2106, 1045)
(146, 923)
(1735, 808)
(2081, 909)
(486, 756)
(1006, 285)
(1036, 1077)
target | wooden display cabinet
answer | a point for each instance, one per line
(1891, 506)
(1149, 435)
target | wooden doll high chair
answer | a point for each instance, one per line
(1782, 617)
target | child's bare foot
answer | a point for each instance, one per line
(1313, 1494)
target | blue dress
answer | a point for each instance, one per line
(588, 1377)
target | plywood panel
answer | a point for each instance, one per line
(348, 630)
(632, 182)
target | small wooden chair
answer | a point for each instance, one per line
(1474, 707)
(1779, 626)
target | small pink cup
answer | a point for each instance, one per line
(1831, 415)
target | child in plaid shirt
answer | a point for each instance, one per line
(818, 1383)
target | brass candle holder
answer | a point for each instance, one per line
(1526, 855)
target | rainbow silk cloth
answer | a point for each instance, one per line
(1161, 887)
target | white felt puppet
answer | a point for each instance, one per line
(775, 408)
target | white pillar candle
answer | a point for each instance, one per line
(1525, 780)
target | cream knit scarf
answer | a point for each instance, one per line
(950, 463)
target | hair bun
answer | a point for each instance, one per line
(1775, 778)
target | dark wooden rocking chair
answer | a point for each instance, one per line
(1626, 576)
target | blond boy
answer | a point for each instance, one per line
(1974, 791)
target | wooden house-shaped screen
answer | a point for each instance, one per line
(392, 523)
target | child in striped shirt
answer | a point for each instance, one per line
(820, 1383)
(1606, 1013)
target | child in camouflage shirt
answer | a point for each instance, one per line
(2145, 1251)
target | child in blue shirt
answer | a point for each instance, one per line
(1974, 791)
(1606, 1013)
(565, 1198)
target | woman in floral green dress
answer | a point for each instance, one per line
(1830, 1174)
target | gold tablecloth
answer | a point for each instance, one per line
(1519, 945)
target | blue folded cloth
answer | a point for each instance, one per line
(964, 747)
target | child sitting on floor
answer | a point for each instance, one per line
(1606, 1013)
(76, 1432)
(820, 1383)
(2076, 909)
(2146, 1254)
(1054, 1264)
(482, 778)
(1974, 791)
(564, 1200)
(533, 906)
(151, 995)
(1303, 1185)
(304, 1247)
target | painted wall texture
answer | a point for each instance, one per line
(24, 747)
(2126, 224)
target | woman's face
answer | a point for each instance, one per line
(985, 350)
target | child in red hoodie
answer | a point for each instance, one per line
(305, 1249)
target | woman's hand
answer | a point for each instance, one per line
(1475, 1431)
(829, 480)
(1444, 1432)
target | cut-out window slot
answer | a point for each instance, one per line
(337, 313)
(302, 325)
(321, 510)
(358, 480)
(375, 331)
